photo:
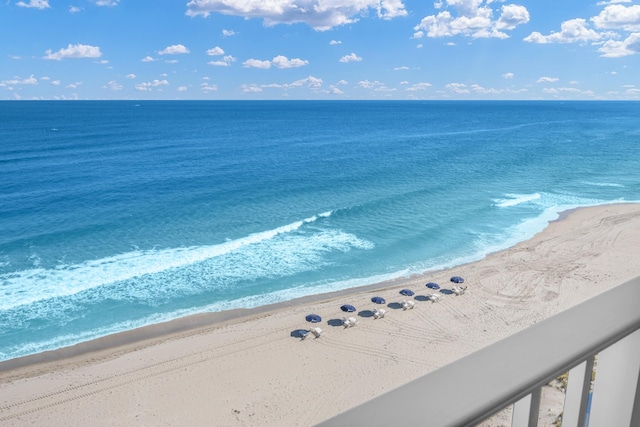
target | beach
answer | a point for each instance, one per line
(245, 368)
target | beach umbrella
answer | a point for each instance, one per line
(407, 292)
(348, 308)
(378, 300)
(313, 318)
(457, 279)
(432, 285)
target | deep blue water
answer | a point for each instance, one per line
(114, 215)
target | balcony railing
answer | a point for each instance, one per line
(513, 371)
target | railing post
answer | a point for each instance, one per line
(616, 383)
(577, 396)
(526, 411)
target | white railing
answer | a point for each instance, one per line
(513, 371)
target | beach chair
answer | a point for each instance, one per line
(353, 321)
(304, 335)
(411, 304)
(316, 332)
(407, 305)
(379, 313)
(346, 323)
(434, 298)
(459, 290)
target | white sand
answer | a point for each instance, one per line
(250, 371)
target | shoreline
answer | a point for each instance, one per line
(118, 341)
(243, 367)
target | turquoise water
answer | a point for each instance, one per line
(115, 215)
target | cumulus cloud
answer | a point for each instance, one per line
(375, 86)
(571, 31)
(618, 17)
(471, 18)
(617, 49)
(335, 42)
(459, 88)
(283, 62)
(36, 4)
(147, 59)
(352, 57)
(214, 51)
(107, 2)
(113, 85)
(31, 80)
(508, 75)
(419, 86)
(148, 86)
(225, 62)
(228, 33)
(74, 51)
(74, 9)
(256, 63)
(279, 61)
(206, 87)
(547, 80)
(318, 14)
(176, 49)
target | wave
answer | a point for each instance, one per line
(516, 199)
(603, 184)
(37, 284)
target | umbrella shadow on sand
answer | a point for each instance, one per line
(334, 322)
(446, 291)
(299, 333)
(394, 305)
(422, 298)
(365, 313)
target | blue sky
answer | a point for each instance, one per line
(320, 49)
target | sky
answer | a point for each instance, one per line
(320, 49)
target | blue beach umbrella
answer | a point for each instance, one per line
(378, 300)
(313, 318)
(457, 279)
(348, 308)
(432, 285)
(407, 292)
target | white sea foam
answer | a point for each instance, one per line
(273, 252)
(603, 184)
(516, 199)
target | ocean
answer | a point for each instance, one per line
(120, 214)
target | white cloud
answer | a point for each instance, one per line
(343, 82)
(181, 89)
(604, 3)
(350, 58)
(107, 2)
(147, 59)
(113, 85)
(215, 51)
(256, 63)
(74, 9)
(574, 30)
(547, 80)
(403, 68)
(130, 76)
(252, 88)
(508, 75)
(318, 14)
(419, 86)
(73, 85)
(226, 61)
(512, 15)
(617, 49)
(375, 85)
(171, 61)
(459, 88)
(228, 33)
(335, 42)
(334, 90)
(206, 87)
(148, 86)
(36, 4)
(31, 80)
(175, 49)
(283, 62)
(471, 18)
(618, 17)
(56, 82)
(74, 51)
